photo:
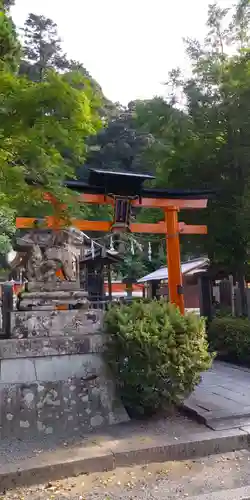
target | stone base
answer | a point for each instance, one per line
(50, 287)
(52, 323)
(56, 386)
(49, 300)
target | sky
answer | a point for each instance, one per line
(128, 46)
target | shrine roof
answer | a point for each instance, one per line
(127, 183)
(105, 182)
(192, 194)
(189, 267)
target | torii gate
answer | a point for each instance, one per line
(124, 191)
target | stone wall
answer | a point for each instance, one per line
(54, 379)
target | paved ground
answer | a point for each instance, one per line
(166, 481)
(222, 399)
(173, 426)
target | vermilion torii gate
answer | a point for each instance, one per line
(124, 191)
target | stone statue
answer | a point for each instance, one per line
(43, 263)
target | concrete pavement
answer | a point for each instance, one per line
(221, 403)
(217, 477)
(222, 400)
(130, 449)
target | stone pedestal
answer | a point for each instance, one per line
(54, 379)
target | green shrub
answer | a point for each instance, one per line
(155, 354)
(230, 337)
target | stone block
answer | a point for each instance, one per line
(45, 323)
(26, 324)
(9, 409)
(50, 346)
(17, 370)
(18, 411)
(56, 368)
(50, 407)
(33, 471)
(53, 377)
(238, 397)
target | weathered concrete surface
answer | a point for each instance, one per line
(56, 394)
(25, 324)
(176, 426)
(51, 346)
(222, 400)
(58, 382)
(111, 454)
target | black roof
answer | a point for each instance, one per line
(192, 194)
(129, 184)
(118, 183)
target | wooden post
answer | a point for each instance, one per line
(173, 259)
(206, 297)
(7, 308)
(109, 282)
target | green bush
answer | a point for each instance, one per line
(230, 337)
(155, 354)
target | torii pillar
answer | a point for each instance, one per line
(175, 286)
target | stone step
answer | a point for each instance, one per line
(218, 418)
(235, 494)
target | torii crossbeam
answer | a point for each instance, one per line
(124, 192)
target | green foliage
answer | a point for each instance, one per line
(230, 337)
(42, 51)
(9, 44)
(39, 121)
(7, 228)
(8, 4)
(155, 354)
(119, 145)
(207, 146)
(42, 47)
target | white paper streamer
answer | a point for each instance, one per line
(92, 249)
(132, 247)
(149, 252)
(112, 248)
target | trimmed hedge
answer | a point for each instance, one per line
(155, 354)
(230, 337)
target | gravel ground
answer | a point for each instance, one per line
(174, 425)
(167, 481)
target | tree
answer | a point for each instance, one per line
(39, 121)
(240, 24)
(214, 150)
(44, 127)
(42, 48)
(9, 44)
(167, 129)
(7, 228)
(207, 145)
(42, 51)
(7, 4)
(119, 145)
(218, 98)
